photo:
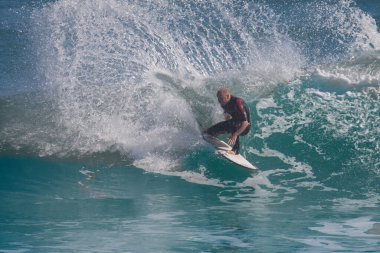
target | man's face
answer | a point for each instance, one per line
(224, 98)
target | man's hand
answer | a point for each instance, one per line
(227, 116)
(232, 139)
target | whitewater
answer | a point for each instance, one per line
(102, 104)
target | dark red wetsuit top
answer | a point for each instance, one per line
(238, 110)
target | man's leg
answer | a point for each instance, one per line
(219, 128)
(236, 147)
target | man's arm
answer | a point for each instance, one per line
(234, 136)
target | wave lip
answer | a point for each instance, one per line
(361, 70)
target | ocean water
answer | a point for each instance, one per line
(102, 103)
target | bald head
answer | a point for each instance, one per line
(223, 92)
(223, 95)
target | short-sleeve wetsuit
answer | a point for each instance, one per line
(239, 112)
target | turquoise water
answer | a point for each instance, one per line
(102, 104)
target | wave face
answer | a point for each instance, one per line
(140, 77)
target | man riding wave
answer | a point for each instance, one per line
(237, 119)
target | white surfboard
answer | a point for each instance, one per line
(222, 149)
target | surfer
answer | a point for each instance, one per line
(237, 119)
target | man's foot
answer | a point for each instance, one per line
(231, 152)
